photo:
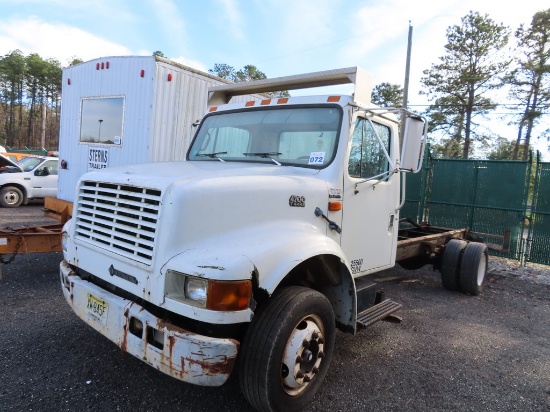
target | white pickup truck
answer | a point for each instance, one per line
(32, 177)
(248, 255)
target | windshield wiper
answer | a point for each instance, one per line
(266, 155)
(212, 155)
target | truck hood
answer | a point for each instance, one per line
(161, 175)
(212, 219)
(203, 202)
(5, 162)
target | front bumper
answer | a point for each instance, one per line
(187, 356)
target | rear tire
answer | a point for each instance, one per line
(450, 265)
(11, 196)
(287, 350)
(473, 268)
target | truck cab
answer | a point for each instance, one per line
(250, 253)
(32, 177)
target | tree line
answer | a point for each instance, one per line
(30, 94)
(478, 62)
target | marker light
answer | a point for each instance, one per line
(334, 206)
(210, 294)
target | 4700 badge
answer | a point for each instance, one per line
(97, 308)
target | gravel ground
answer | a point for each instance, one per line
(451, 352)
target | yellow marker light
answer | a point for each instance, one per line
(229, 295)
(282, 100)
(334, 206)
(213, 109)
(250, 103)
(265, 102)
(333, 99)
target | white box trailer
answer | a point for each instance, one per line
(127, 109)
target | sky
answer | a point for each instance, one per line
(280, 37)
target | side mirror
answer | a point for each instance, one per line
(45, 171)
(414, 142)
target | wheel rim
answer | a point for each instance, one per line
(303, 355)
(481, 269)
(11, 197)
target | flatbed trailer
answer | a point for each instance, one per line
(37, 238)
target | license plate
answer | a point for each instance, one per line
(97, 308)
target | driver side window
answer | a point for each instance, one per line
(367, 157)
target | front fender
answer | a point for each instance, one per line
(266, 254)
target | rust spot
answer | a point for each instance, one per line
(171, 343)
(214, 366)
(124, 342)
(162, 324)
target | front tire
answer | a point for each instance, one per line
(11, 196)
(287, 350)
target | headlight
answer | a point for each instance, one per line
(208, 293)
(196, 289)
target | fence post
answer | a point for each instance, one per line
(528, 242)
(423, 184)
(474, 195)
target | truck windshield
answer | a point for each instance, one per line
(29, 163)
(300, 136)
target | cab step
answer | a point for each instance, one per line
(377, 312)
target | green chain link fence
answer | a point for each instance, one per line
(538, 244)
(486, 196)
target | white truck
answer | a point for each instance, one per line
(248, 255)
(32, 177)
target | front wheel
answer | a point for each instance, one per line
(11, 196)
(287, 350)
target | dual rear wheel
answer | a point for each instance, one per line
(464, 266)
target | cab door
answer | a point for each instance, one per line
(371, 197)
(44, 179)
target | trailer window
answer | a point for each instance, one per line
(101, 120)
(367, 158)
(297, 136)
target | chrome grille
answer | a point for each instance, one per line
(119, 218)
